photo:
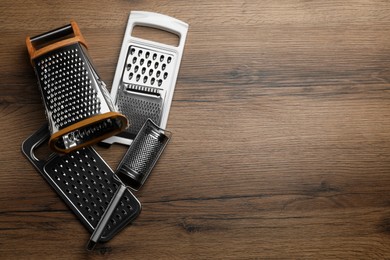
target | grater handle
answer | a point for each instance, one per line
(97, 233)
(45, 40)
(32, 142)
(159, 21)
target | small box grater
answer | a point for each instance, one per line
(142, 155)
(146, 74)
(85, 183)
(78, 107)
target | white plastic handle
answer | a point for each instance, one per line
(158, 21)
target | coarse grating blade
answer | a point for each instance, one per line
(85, 183)
(146, 74)
(78, 106)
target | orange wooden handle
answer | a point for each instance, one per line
(50, 36)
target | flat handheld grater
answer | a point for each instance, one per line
(85, 183)
(78, 106)
(146, 74)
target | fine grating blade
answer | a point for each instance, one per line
(70, 94)
(142, 155)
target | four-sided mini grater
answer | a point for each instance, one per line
(146, 74)
(78, 106)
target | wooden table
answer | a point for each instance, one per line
(281, 145)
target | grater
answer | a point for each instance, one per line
(78, 107)
(142, 155)
(146, 74)
(85, 183)
(134, 168)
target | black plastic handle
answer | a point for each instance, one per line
(52, 35)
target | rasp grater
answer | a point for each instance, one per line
(146, 74)
(78, 107)
(85, 183)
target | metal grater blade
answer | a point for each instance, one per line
(85, 183)
(142, 155)
(68, 91)
(138, 108)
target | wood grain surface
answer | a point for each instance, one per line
(280, 121)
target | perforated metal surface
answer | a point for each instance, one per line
(147, 67)
(66, 86)
(85, 183)
(142, 155)
(138, 109)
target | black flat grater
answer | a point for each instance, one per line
(85, 183)
(78, 106)
(146, 74)
(134, 169)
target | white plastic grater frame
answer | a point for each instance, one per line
(157, 21)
